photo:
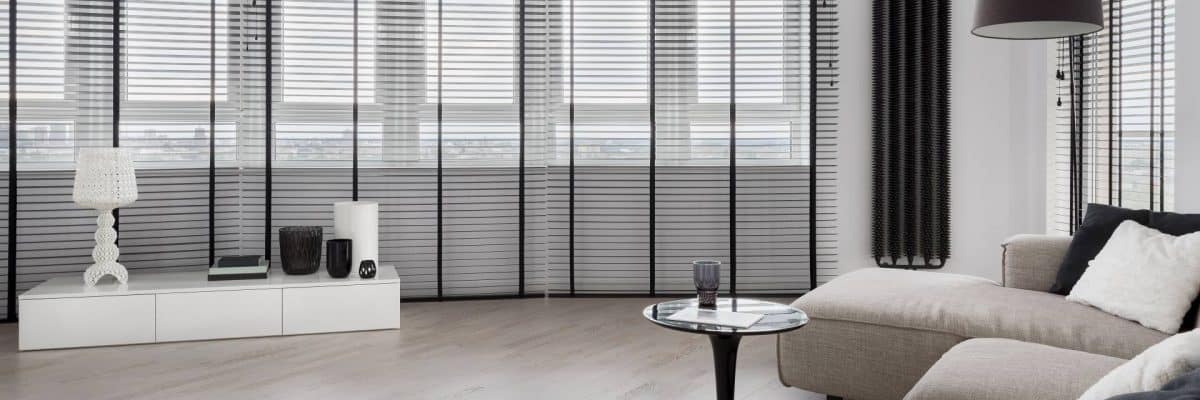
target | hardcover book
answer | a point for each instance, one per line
(239, 267)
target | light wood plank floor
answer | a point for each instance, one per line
(494, 349)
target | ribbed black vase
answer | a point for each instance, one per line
(338, 257)
(300, 249)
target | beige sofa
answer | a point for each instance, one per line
(879, 334)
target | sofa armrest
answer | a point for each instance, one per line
(1031, 261)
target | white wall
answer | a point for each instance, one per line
(998, 113)
(1187, 106)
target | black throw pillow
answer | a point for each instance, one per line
(1098, 225)
(1179, 225)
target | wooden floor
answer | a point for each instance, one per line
(494, 349)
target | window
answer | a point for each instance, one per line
(1115, 129)
(515, 147)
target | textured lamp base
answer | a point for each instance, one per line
(97, 271)
(106, 252)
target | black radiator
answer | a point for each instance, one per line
(910, 80)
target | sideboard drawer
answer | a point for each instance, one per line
(86, 321)
(341, 308)
(218, 314)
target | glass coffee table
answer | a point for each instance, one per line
(777, 318)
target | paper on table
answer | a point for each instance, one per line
(716, 317)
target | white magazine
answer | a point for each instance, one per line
(716, 317)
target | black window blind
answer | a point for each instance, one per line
(517, 147)
(1115, 116)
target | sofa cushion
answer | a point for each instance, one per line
(1179, 224)
(1098, 225)
(974, 308)
(1151, 370)
(1143, 275)
(835, 358)
(1003, 369)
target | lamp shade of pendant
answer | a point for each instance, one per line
(1037, 19)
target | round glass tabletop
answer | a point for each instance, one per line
(776, 317)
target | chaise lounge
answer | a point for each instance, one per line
(879, 334)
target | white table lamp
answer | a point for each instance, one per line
(104, 180)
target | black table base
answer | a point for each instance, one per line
(725, 348)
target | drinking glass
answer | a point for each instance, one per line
(707, 274)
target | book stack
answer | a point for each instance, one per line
(239, 267)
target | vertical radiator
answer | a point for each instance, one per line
(910, 133)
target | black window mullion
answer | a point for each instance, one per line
(1080, 115)
(116, 97)
(571, 157)
(1073, 165)
(440, 195)
(812, 144)
(269, 134)
(653, 141)
(212, 131)
(1162, 113)
(12, 163)
(1111, 76)
(733, 147)
(354, 112)
(521, 151)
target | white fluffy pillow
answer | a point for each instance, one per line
(1167, 360)
(1143, 275)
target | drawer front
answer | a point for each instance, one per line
(218, 315)
(86, 321)
(341, 308)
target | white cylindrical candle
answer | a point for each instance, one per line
(359, 222)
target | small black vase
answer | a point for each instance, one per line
(366, 269)
(300, 249)
(338, 257)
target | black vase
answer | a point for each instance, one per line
(300, 249)
(338, 257)
(366, 269)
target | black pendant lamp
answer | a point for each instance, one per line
(1037, 19)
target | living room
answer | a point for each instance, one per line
(600, 199)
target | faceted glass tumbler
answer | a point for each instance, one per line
(300, 249)
(707, 274)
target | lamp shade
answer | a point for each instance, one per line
(1037, 19)
(104, 179)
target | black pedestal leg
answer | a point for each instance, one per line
(725, 349)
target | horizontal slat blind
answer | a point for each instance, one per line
(481, 148)
(1114, 140)
(822, 107)
(772, 78)
(313, 151)
(603, 128)
(7, 153)
(170, 50)
(407, 223)
(611, 144)
(535, 56)
(246, 182)
(65, 102)
(398, 137)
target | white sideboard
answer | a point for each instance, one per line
(177, 306)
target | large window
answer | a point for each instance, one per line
(1115, 119)
(516, 147)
